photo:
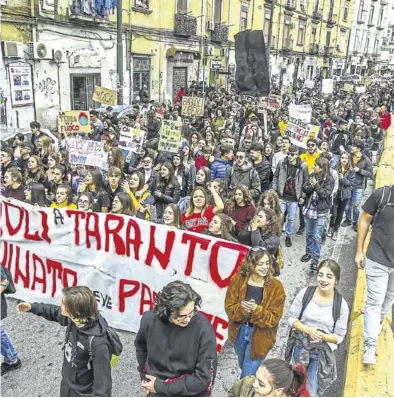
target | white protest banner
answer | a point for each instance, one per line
(350, 78)
(193, 106)
(328, 86)
(170, 136)
(298, 131)
(74, 122)
(309, 84)
(123, 259)
(301, 112)
(85, 152)
(131, 139)
(360, 89)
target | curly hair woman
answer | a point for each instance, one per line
(254, 305)
(270, 199)
(176, 345)
(221, 227)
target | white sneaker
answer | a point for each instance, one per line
(369, 357)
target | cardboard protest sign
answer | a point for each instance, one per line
(131, 139)
(85, 152)
(314, 131)
(348, 87)
(104, 96)
(74, 122)
(301, 112)
(170, 136)
(124, 260)
(360, 89)
(309, 84)
(193, 106)
(298, 131)
(328, 86)
(271, 102)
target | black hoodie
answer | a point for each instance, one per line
(97, 380)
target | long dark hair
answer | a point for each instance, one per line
(324, 165)
(97, 180)
(291, 378)
(128, 207)
(38, 195)
(252, 259)
(226, 227)
(173, 297)
(162, 182)
(232, 204)
(271, 228)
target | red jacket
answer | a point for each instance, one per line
(385, 120)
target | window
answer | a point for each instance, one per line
(357, 40)
(342, 41)
(360, 11)
(380, 20)
(244, 17)
(141, 75)
(144, 4)
(370, 21)
(314, 30)
(376, 47)
(217, 11)
(392, 36)
(346, 12)
(316, 6)
(366, 45)
(266, 27)
(328, 38)
(286, 34)
(301, 33)
(181, 6)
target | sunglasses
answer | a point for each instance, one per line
(311, 145)
(293, 154)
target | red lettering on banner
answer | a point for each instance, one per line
(123, 294)
(95, 232)
(117, 240)
(194, 241)
(146, 299)
(56, 269)
(5, 254)
(153, 251)
(214, 266)
(36, 278)
(136, 242)
(66, 273)
(79, 215)
(18, 274)
(45, 227)
(217, 322)
(11, 255)
(28, 235)
(13, 230)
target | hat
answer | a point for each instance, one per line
(184, 143)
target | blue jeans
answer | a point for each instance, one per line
(380, 299)
(7, 349)
(355, 204)
(242, 346)
(291, 208)
(312, 369)
(314, 234)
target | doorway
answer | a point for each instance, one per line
(179, 79)
(82, 87)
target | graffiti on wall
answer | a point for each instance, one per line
(48, 88)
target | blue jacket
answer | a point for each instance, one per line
(218, 168)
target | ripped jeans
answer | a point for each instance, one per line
(355, 205)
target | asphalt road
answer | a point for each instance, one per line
(39, 342)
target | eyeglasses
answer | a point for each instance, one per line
(311, 145)
(83, 202)
(292, 154)
(181, 318)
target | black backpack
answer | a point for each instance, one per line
(115, 347)
(336, 308)
(387, 199)
(10, 289)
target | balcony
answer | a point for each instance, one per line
(313, 49)
(370, 24)
(316, 15)
(380, 27)
(185, 25)
(287, 44)
(331, 21)
(290, 5)
(220, 33)
(77, 11)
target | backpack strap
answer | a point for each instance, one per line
(382, 204)
(310, 291)
(336, 308)
(90, 353)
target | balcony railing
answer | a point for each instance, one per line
(220, 33)
(331, 19)
(77, 11)
(185, 25)
(316, 15)
(380, 27)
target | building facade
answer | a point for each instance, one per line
(371, 20)
(387, 48)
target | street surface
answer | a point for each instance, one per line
(39, 342)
